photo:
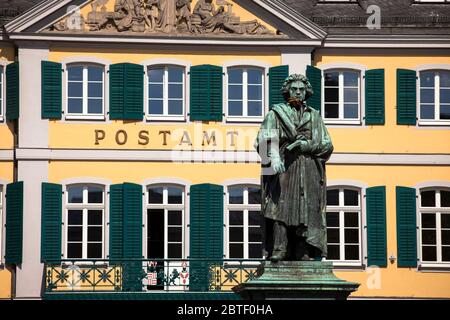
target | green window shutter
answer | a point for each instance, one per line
(406, 227)
(406, 97)
(314, 76)
(132, 237)
(116, 91)
(374, 82)
(277, 75)
(206, 232)
(115, 223)
(51, 223)
(51, 95)
(206, 87)
(376, 226)
(134, 92)
(14, 223)
(12, 91)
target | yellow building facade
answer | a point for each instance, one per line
(83, 152)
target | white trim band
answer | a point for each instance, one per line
(6, 155)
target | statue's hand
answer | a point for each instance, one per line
(278, 165)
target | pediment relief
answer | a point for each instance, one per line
(164, 17)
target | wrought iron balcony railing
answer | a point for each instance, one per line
(148, 275)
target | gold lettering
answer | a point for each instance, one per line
(165, 133)
(232, 133)
(143, 138)
(99, 135)
(125, 137)
(186, 139)
(209, 138)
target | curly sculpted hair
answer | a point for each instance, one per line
(293, 78)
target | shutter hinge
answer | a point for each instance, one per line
(189, 72)
(188, 225)
(188, 193)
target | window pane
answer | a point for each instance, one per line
(331, 95)
(254, 76)
(75, 217)
(445, 220)
(445, 234)
(350, 95)
(236, 195)
(95, 90)
(74, 250)
(174, 251)
(235, 76)
(427, 95)
(254, 234)
(236, 218)
(429, 253)
(445, 95)
(427, 111)
(155, 236)
(155, 195)
(75, 234)
(95, 217)
(95, 73)
(332, 235)
(351, 235)
(235, 108)
(428, 236)
(175, 107)
(156, 75)
(254, 108)
(75, 89)
(155, 107)
(445, 253)
(332, 79)
(444, 112)
(236, 234)
(155, 91)
(175, 91)
(175, 74)
(236, 251)
(351, 252)
(175, 218)
(331, 111)
(175, 195)
(428, 198)
(254, 195)
(333, 197)
(75, 194)
(75, 73)
(95, 195)
(444, 79)
(254, 92)
(351, 219)
(332, 219)
(427, 79)
(351, 111)
(333, 252)
(75, 106)
(235, 92)
(350, 79)
(175, 234)
(351, 197)
(94, 250)
(445, 198)
(255, 251)
(254, 218)
(95, 106)
(94, 233)
(428, 220)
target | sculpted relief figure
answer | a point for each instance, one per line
(167, 16)
(295, 144)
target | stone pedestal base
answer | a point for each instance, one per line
(303, 280)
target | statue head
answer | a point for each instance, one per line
(297, 87)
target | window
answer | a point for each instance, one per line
(84, 222)
(165, 221)
(166, 93)
(85, 91)
(245, 94)
(244, 232)
(435, 96)
(2, 93)
(344, 226)
(342, 96)
(434, 224)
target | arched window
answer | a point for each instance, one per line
(434, 225)
(434, 95)
(243, 220)
(344, 221)
(85, 221)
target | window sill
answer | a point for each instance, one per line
(342, 265)
(85, 117)
(434, 267)
(165, 118)
(244, 119)
(434, 123)
(343, 122)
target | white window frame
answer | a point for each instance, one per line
(437, 210)
(84, 115)
(165, 116)
(341, 119)
(2, 221)
(85, 207)
(245, 117)
(3, 91)
(166, 207)
(437, 102)
(245, 208)
(342, 209)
